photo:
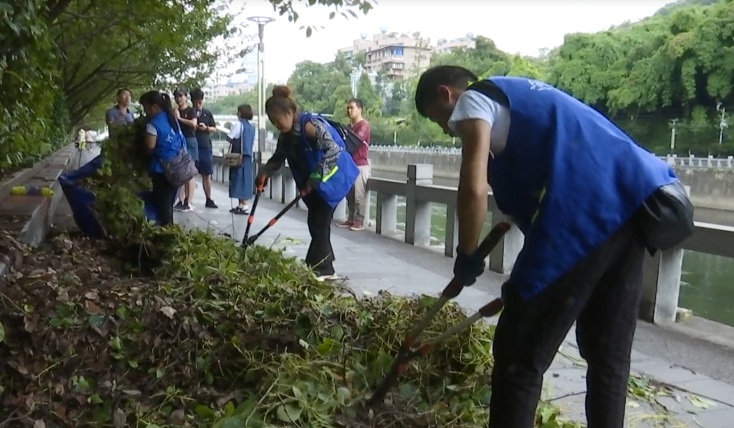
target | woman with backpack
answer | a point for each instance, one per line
(323, 170)
(163, 142)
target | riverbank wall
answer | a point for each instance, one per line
(710, 188)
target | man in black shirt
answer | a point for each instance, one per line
(204, 129)
(187, 118)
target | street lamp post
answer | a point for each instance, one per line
(673, 124)
(354, 77)
(261, 22)
(722, 122)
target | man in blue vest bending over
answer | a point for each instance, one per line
(585, 195)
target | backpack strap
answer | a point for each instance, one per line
(304, 119)
(491, 91)
(242, 137)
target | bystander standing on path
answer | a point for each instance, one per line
(241, 140)
(204, 128)
(187, 118)
(120, 114)
(357, 202)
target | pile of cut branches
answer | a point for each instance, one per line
(215, 336)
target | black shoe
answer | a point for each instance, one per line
(239, 211)
(210, 204)
(179, 206)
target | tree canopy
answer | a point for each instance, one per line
(677, 64)
(326, 88)
(62, 61)
(671, 69)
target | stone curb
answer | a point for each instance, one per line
(39, 223)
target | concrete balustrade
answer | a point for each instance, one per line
(662, 273)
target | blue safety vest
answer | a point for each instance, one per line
(568, 176)
(335, 185)
(169, 142)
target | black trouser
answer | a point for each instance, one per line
(602, 294)
(164, 195)
(320, 254)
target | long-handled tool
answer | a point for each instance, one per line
(251, 218)
(251, 240)
(412, 348)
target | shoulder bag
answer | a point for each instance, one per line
(181, 168)
(234, 160)
(665, 219)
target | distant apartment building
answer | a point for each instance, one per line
(398, 55)
(446, 46)
(214, 91)
(245, 80)
(401, 55)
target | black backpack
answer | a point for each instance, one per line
(351, 139)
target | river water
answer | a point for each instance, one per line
(707, 287)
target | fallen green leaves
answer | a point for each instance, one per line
(205, 343)
(212, 335)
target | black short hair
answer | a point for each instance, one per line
(121, 90)
(197, 94)
(356, 102)
(180, 90)
(442, 75)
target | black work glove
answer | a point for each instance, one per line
(506, 290)
(467, 267)
(312, 184)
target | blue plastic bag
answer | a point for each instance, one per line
(81, 200)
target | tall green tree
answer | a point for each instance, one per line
(674, 65)
(63, 60)
(145, 47)
(34, 119)
(314, 84)
(370, 98)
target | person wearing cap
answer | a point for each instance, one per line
(187, 118)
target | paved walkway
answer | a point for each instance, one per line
(373, 263)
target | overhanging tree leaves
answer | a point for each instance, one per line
(673, 65)
(135, 43)
(87, 49)
(32, 105)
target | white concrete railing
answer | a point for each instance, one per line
(662, 273)
(672, 160)
(708, 162)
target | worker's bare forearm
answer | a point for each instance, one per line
(471, 213)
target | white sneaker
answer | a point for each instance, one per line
(323, 278)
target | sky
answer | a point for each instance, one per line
(522, 26)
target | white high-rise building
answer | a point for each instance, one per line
(244, 80)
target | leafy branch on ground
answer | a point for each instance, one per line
(191, 330)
